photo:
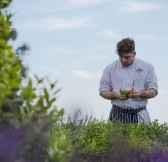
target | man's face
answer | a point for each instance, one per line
(127, 58)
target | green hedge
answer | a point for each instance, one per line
(112, 141)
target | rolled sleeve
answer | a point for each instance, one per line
(105, 81)
(151, 81)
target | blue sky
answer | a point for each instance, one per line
(73, 40)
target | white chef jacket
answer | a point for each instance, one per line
(115, 77)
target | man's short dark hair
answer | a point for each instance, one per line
(125, 45)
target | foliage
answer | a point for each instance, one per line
(10, 77)
(100, 141)
(4, 3)
(27, 105)
(60, 147)
(91, 140)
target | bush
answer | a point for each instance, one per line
(112, 141)
(27, 105)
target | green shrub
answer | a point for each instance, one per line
(112, 141)
(27, 105)
(60, 147)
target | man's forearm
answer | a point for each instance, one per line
(147, 94)
(108, 95)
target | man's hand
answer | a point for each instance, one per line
(146, 94)
(120, 96)
(136, 94)
(110, 95)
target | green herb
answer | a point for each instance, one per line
(125, 92)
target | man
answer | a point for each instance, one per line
(128, 73)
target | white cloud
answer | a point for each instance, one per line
(48, 6)
(109, 33)
(146, 37)
(139, 6)
(81, 3)
(73, 4)
(85, 74)
(56, 23)
(86, 2)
